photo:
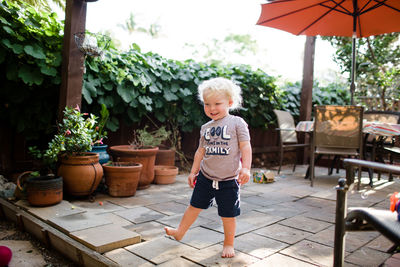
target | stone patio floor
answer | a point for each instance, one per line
(284, 223)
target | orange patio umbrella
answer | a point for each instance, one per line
(353, 18)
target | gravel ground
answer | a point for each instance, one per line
(51, 257)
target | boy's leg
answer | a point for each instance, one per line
(187, 220)
(229, 232)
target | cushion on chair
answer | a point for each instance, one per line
(336, 151)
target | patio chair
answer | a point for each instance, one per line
(362, 219)
(287, 136)
(337, 132)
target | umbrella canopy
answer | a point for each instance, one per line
(353, 18)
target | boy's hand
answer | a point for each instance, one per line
(191, 180)
(244, 176)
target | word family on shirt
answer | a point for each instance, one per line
(216, 138)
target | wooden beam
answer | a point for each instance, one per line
(306, 89)
(73, 59)
(308, 79)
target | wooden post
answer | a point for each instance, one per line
(306, 88)
(73, 59)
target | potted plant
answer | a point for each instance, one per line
(143, 150)
(99, 134)
(67, 153)
(40, 190)
(122, 178)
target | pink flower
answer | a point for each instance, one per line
(97, 128)
(85, 114)
(77, 108)
(68, 132)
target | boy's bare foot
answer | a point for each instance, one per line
(228, 252)
(173, 232)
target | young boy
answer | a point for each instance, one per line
(221, 163)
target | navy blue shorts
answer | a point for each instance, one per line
(227, 196)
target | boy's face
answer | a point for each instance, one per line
(216, 106)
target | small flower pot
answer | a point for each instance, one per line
(145, 156)
(165, 174)
(122, 178)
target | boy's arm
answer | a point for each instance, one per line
(198, 156)
(246, 152)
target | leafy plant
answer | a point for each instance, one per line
(144, 138)
(30, 68)
(98, 132)
(74, 136)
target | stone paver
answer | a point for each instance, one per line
(173, 221)
(178, 262)
(285, 223)
(282, 210)
(105, 238)
(283, 233)
(76, 222)
(310, 252)
(126, 258)
(64, 208)
(211, 256)
(139, 214)
(305, 224)
(169, 208)
(148, 230)
(100, 205)
(367, 257)
(380, 243)
(200, 237)
(161, 250)
(354, 240)
(257, 245)
(281, 261)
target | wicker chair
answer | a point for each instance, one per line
(287, 136)
(338, 132)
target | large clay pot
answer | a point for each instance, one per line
(41, 191)
(165, 174)
(145, 156)
(165, 157)
(122, 178)
(102, 151)
(82, 174)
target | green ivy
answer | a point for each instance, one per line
(134, 86)
(30, 68)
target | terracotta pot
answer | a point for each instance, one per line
(165, 174)
(82, 174)
(41, 191)
(122, 178)
(145, 156)
(165, 157)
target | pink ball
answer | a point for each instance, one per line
(5, 256)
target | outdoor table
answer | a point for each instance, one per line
(376, 128)
(369, 127)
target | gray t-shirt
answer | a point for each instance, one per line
(221, 139)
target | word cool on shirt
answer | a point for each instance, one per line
(217, 137)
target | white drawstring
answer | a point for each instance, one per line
(215, 185)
